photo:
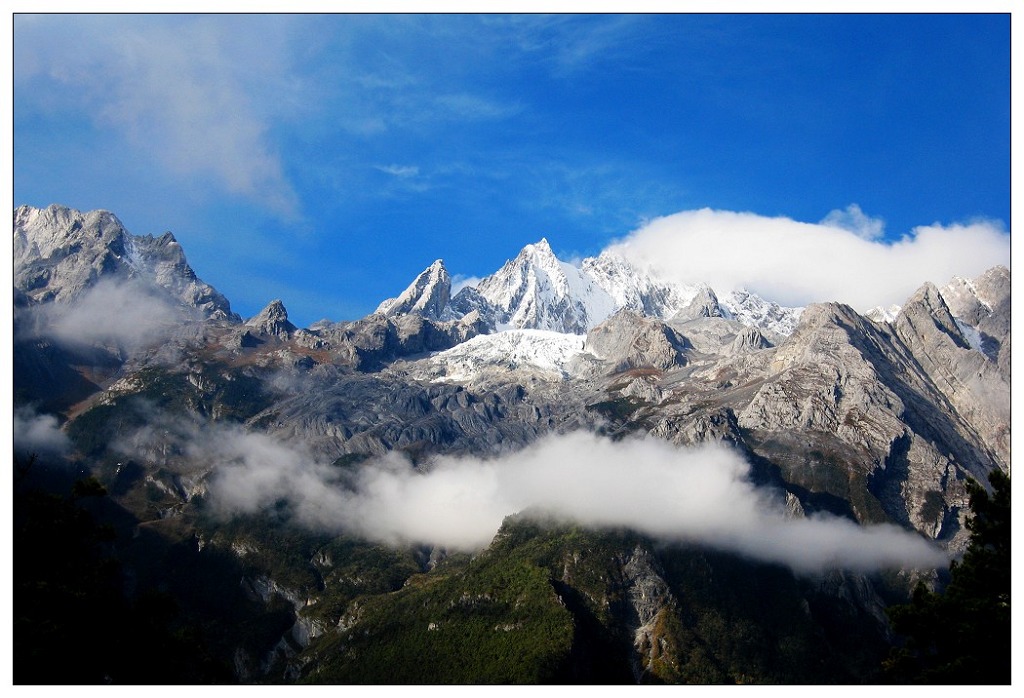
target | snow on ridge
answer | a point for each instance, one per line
(969, 286)
(754, 311)
(880, 314)
(536, 290)
(971, 334)
(541, 351)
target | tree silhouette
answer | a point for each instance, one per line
(962, 636)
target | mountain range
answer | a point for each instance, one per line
(481, 484)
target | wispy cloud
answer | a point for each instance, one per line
(461, 281)
(126, 313)
(469, 107)
(400, 171)
(570, 44)
(181, 91)
(852, 218)
(797, 263)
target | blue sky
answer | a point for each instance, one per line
(326, 160)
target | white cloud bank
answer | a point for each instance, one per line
(840, 259)
(698, 495)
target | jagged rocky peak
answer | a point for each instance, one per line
(634, 288)
(272, 320)
(60, 253)
(822, 334)
(925, 311)
(55, 230)
(535, 265)
(973, 299)
(537, 291)
(540, 251)
(983, 302)
(748, 339)
(428, 295)
(882, 314)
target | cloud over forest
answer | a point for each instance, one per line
(701, 495)
(38, 434)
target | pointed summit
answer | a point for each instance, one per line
(538, 291)
(541, 254)
(542, 246)
(272, 320)
(427, 295)
(925, 313)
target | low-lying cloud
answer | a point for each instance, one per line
(117, 312)
(38, 434)
(840, 259)
(700, 495)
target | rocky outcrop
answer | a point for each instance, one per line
(649, 601)
(628, 340)
(969, 379)
(749, 339)
(272, 321)
(704, 304)
(377, 340)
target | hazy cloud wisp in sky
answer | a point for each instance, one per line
(175, 90)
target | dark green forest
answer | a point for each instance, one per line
(124, 601)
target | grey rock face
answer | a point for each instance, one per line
(749, 339)
(704, 304)
(59, 253)
(273, 321)
(629, 340)
(649, 598)
(376, 340)
(984, 305)
(973, 384)
(882, 405)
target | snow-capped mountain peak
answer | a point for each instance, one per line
(427, 295)
(536, 290)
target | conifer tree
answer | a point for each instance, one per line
(962, 635)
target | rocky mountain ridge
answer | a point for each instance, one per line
(60, 253)
(536, 290)
(871, 421)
